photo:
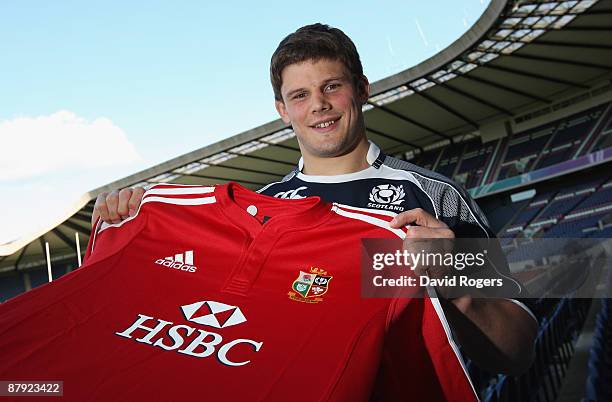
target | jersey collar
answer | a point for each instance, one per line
(374, 157)
(306, 212)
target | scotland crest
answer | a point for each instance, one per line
(387, 194)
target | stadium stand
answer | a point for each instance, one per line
(600, 357)
(449, 160)
(11, 285)
(560, 323)
(476, 158)
(525, 151)
(568, 135)
(533, 149)
(575, 211)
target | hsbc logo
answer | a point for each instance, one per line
(291, 194)
(233, 315)
(199, 343)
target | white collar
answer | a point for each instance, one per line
(369, 172)
(373, 152)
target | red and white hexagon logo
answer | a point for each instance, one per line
(214, 314)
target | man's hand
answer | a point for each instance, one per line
(426, 234)
(117, 205)
(427, 226)
(496, 333)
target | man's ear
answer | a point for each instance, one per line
(282, 111)
(364, 89)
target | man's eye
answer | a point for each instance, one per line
(331, 87)
(301, 95)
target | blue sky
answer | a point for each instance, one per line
(93, 91)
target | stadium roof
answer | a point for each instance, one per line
(518, 60)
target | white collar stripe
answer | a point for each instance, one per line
(383, 172)
(433, 297)
(180, 191)
(369, 219)
(368, 210)
(164, 200)
(524, 307)
(181, 201)
(373, 152)
(371, 156)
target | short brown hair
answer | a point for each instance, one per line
(314, 42)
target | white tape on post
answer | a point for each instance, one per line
(78, 246)
(48, 262)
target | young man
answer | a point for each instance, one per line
(319, 89)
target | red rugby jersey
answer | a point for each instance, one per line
(222, 294)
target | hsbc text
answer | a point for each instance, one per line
(203, 345)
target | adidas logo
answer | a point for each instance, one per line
(182, 261)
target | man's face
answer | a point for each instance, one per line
(323, 106)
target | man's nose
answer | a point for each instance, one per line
(320, 103)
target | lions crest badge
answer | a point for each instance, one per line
(308, 287)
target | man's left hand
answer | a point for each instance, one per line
(427, 234)
(422, 225)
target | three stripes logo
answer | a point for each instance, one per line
(181, 261)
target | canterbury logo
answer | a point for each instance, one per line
(182, 261)
(291, 194)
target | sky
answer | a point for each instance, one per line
(91, 92)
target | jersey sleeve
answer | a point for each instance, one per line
(92, 236)
(454, 206)
(107, 239)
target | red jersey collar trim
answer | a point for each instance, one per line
(307, 212)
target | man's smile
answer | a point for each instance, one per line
(326, 125)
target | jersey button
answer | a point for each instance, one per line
(252, 210)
